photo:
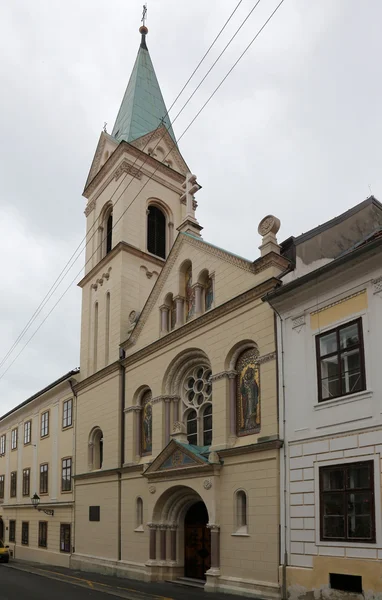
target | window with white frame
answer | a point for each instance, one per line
(67, 412)
(45, 424)
(2, 445)
(27, 432)
(347, 507)
(340, 361)
(14, 439)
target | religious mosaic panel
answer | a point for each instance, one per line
(176, 460)
(248, 394)
(190, 295)
(146, 424)
(209, 293)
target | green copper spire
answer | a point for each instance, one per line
(143, 108)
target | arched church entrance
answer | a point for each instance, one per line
(197, 542)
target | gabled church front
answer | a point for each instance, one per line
(177, 446)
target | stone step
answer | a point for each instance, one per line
(189, 582)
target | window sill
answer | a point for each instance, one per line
(139, 529)
(237, 534)
(343, 399)
(372, 545)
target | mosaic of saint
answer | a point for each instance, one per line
(209, 293)
(146, 425)
(247, 394)
(190, 295)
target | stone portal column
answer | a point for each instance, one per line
(167, 420)
(137, 431)
(179, 300)
(232, 403)
(173, 533)
(176, 409)
(198, 288)
(215, 546)
(153, 541)
(163, 534)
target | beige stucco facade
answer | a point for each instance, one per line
(41, 442)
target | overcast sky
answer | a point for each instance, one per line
(294, 131)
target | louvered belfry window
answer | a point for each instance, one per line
(156, 232)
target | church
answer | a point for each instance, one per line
(177, 445)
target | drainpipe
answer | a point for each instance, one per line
(74, 462)
(122, 375)
(280, 342)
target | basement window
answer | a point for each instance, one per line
(346, 583)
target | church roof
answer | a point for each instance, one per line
(143, 107)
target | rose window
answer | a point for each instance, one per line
(197, 397)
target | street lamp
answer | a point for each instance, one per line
(36, 501)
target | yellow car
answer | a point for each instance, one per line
(4, 552)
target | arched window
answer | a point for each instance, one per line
(95, 337)
(207, 425)
(209, 294)
(156, 232)
(109, 231)
(197, 398)
(96, 449)
(146, 432)
(139, 514)
(192, 428)
(241, 512)
(248, 393)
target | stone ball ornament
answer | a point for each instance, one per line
(269, 224)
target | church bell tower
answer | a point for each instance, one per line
(136, 204)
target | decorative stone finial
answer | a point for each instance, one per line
(268, 227)
(179, 432)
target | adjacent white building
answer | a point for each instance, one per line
(329, 313)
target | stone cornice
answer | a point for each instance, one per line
(110, 369)
(270, 260)
(97, 474)
(199, 322)
(259, 447)
(121, 246)
(185, 472)
(137, 154)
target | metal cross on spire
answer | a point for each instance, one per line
(144, 15)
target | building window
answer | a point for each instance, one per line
(12, 531)
(2, 485)
(197, 397)
(207, 425)
(96, 449)
(347, 502)
(209, 294)
(156, 232)
(13, 484)
(42, 534)
(44, 479)
(2, 445)
(67, 411)
(26, 481)
(14, 439)
(139, 510)
(146, 424)
(109, 231)
(340, 361)
(66, 478)
(25, 533)
(64, 537)
(27, 432)
(94, 513)
(241, 512)
(45, 424)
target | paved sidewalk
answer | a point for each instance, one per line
(130, 589)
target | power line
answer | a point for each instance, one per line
(69, 263)
(149, 178)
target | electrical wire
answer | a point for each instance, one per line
(149, 179)
(86, 239)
